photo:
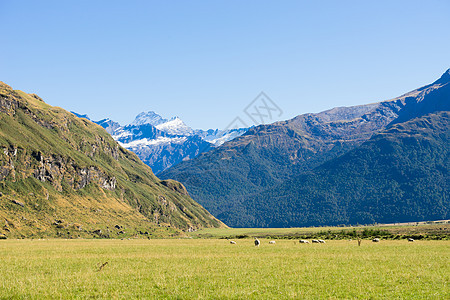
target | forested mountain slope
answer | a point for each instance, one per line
(399, 175)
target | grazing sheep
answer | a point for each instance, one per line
(257, 242)
(304, 242)
(272, 242)
(376, 240)
(322, 241)
(410, 240)
(232, 242)
(315, 241)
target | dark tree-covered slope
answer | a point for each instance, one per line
(399, 175)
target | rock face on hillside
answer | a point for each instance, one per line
(62, 167)
(226, 180)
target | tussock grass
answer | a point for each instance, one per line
(213, 268)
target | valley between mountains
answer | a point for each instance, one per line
(63, 175)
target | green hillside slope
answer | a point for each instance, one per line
(62, 175)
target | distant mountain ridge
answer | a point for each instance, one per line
(229, 180)
(161, 143)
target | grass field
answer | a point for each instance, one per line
(213, 268)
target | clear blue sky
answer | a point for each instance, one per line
(206, 60)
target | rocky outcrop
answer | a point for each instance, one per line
(17, 164)
(8, 101)
(175, 186)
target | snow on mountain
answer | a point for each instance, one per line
(175, 126)
(149, 117)
(120, 134)
(218, 137)
(153, 142)
(162, 143)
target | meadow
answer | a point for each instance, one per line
(192, 268)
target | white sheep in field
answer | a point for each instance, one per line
(272, 242)
(410, 240)
(315, 241)
(232, 242)
(304, 242)
(376, 240)
(257, 242)
(322, 241)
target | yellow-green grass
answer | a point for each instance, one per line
(214, 268)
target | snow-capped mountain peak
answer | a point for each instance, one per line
(162, 143)
(175, 126)
(148, 117)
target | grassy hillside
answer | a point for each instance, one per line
(65, 176)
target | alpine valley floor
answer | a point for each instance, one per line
(214, 268)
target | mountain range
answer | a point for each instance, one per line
(162, 143)
(380, 162)
(64, 176)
